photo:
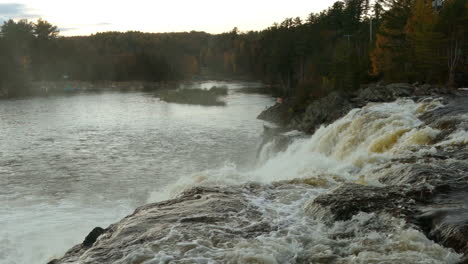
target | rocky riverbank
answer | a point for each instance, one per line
(208, 97)
(429, 191)
(384, 183)
(326, 110)
(41, 88)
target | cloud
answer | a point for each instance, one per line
(15, 11)
(80, 26)
(82, 29)
(102, 24)
(65, 29)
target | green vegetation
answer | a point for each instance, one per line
(336, 49)
(417, 43)
(254, 90)
(211, 97)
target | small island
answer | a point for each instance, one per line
(336, 137)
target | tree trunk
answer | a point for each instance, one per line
(451, 79)
(453, 58)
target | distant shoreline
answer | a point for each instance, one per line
(41, 88)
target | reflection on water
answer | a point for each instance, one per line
(69, 163)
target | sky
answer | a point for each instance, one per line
(84, 17)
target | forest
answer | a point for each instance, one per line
(351, 43)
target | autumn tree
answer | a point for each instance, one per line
(391, 51)
(424, 52)
(18, 37)
(43, 51)
(43, 30)
(454, 25)
(355, 11)
(16, 40)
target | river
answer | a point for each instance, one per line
(70, 163)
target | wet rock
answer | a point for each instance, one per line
(186, 218)
(93, 236)
(279, 114)
(211, 97)
(421, 207)
(278, 137)
(438, 173)
(384, 93)
(202, 219)
(350, 199)
(324, 111)
(447, 226)
(449, 119)
(445, 218)
(429, 191)
(335, 105)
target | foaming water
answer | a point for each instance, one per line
(341, 151)
(71, 163)
(345, 151)
(39, 231)
(170, 148)
(297, 236)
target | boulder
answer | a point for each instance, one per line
(185, 218)
(350, 199)
(324, 111)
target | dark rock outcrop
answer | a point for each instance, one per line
(384, 93)
(93, 236)
(188, 216)
(349, 200)
(429, 191)
(335, 105)
(279, 137)
(279, 113)
(439, 212)
(323, 111)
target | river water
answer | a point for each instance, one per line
(70, 163)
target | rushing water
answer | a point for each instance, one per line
(70, 163)
(351, 150)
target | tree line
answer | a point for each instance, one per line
(351, 43)
(355, 42)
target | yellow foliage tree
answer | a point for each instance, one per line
(454, 25)
(389, 56)
(425, 56)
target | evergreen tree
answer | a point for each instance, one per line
(391, 51)
(424, 41)
(454, 25)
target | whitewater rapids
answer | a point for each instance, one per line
(265, 214)
(342, 151)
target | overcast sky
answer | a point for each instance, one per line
(85, 17)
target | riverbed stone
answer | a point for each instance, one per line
(93, 236)
(429, 191)
(350, 199)
(335, 105)
(189, 215)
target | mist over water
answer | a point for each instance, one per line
(353, 149)
(70, 163)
